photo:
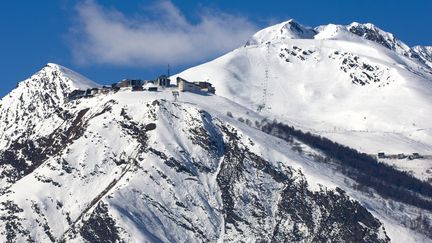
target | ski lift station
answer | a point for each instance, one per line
(137, 85)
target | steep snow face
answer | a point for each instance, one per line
(39, 98)
(349, 87)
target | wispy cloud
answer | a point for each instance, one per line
(160, 34)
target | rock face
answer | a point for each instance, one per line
(373, 33)
(134, 167)
(280, 207)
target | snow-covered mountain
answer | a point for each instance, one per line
(136, 166)
(356, 84)
(28, 115)
(42, 95)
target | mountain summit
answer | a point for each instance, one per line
(293, 30)
(356, 84)
(37, 99)
(286, 30)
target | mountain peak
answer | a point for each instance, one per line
(293, 28)
(53, 65)
(52, 79)
(42, 94)
(289, 29)
(365, 25)
(71, 78)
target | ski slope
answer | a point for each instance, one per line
(356, 84)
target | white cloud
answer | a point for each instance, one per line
(161, 34)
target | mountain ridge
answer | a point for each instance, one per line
(291, 29)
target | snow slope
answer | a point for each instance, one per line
(136, 166)
(356, 84)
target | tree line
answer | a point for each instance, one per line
(363, 168)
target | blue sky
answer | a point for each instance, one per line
(113, 39)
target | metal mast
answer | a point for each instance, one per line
(266, 79)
